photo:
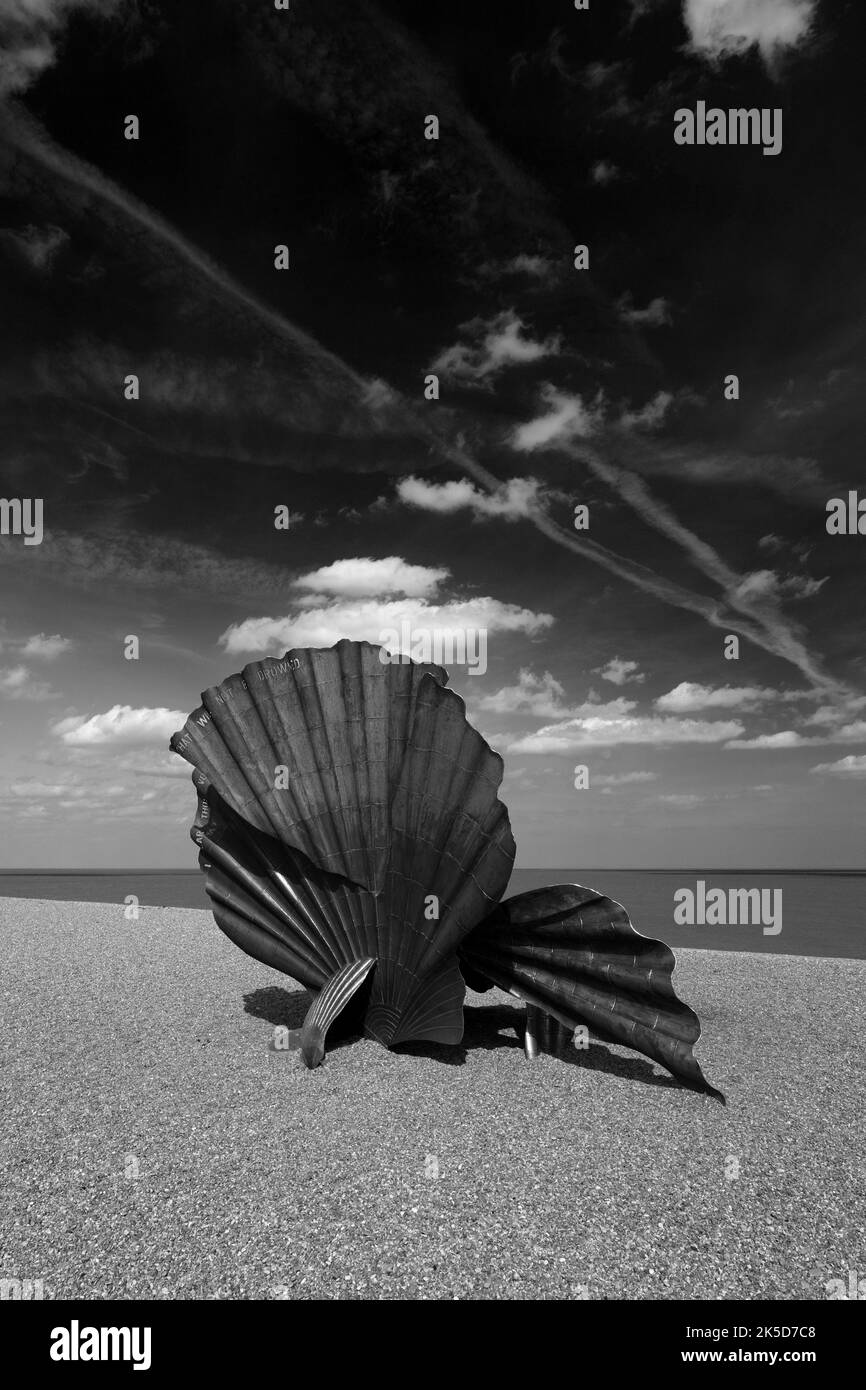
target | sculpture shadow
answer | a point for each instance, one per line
(500, 1025)
(487, 1027)
(284, 1008)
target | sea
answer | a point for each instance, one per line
(821, 912)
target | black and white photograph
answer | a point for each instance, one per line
(432, 665)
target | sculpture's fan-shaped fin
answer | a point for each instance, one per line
(305, 749)
(575, 954)
(332, 1000)
(273, 903)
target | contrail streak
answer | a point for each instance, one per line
(24, 135)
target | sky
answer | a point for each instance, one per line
(308, 388)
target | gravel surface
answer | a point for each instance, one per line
(153, 1147)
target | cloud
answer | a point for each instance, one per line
(120, 724)
(369, 620)
(498, 343)
(566, 418)
(28, 34)
(687, 697)
(753, 600)
(649, 416)
(366, 578)
(854, 765)
(785, 738)
(853, 732)
(656, 313)
(540, 268)
(839, 712)
(513, 502)
(683, 801)
(45, 648)
(723, 28)
(335, 380)
(794, 478)
(620, 672)
(142, 559)
(594, 731)
(604, 173)
(544, 696)
(623, 779)
(766, 584)
(17, 683)
(36, 245)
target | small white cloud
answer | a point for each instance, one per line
(723, 28)
(854, 765)
(786, 738)
(496, 343)
(656, 313)
(366, 578)
(516, 499)
(604, 173)
(620, 672)
(120, 724)
(687, 697)
(45, 648)
(567, 418)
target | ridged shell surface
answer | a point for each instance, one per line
(348, 809)
(575, 954)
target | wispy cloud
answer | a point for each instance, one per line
(604, 172)
(655, 315)
(143, 560)
(623, 779)
(751, 607)
(29, 30)
(38, 246)
(18, 683)
(494, 344)
(595, 731)
(620, 672)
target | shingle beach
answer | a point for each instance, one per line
(153, 1147)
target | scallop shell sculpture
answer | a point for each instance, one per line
(351, 836)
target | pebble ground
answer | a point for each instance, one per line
(152, 1147)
